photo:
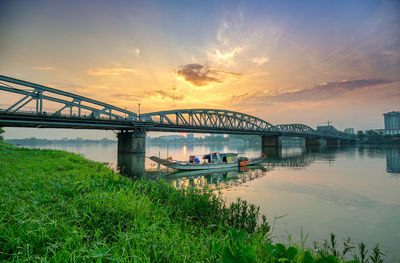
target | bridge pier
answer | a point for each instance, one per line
(131, 152)
(332, 142)
(344, 142)
(271, 141)
(272, 152)
(315, 142)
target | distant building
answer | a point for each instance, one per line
(216, 135)
(349, 130)
(392, 120)
(326, 128)
(388, 131)
(171, 137)
(236, 141)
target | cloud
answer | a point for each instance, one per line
(201, 75)
(134, 51)
(241, 97)
(124, 96)
(224, 58)
(324, 91)
(164, 94)
(48, 68)
(260, 61)
(221, 31)
(110, 71)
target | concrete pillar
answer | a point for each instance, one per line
(272, 152)
(131, 152)
(271, 141)
(302, 143)
(332, 142)
(315, 142)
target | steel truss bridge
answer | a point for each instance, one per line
(44, 107)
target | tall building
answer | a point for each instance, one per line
(392, 120)
(349, 130)
(325, 128)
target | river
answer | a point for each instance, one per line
(352, 191)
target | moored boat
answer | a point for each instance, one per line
(210, 161)
(244, 161)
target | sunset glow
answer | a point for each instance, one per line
(284, 62)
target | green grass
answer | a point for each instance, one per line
(59, 207)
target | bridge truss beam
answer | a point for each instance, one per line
(209, 120)
(70, 105)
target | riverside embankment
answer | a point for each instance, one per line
(57, 206)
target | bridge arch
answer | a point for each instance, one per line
(210, 118)
(62, 103)
(297, 129)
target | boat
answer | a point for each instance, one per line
(210, 161)
(244, 161)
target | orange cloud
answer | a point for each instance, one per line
(260, 61)
(164, 94)
(323, 91)
(201, 75)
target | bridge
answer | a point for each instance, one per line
(40, 106)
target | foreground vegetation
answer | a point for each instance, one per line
(57, 207)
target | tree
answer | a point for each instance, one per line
(1, 132)
(373, 135)
(360, 135)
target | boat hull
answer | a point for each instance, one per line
(179, 174)
(183, 166)
(196, 167)
(252, 162)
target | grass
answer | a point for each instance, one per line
(59, 207)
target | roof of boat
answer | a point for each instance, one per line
(222, 154)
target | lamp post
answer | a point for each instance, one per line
(139, 110)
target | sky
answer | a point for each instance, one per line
(283, 61)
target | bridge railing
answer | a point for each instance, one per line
(69, 104)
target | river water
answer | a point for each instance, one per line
(352, 191)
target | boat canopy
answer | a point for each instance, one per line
(220, 157)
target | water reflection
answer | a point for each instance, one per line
(393, 160)
(295, 157)
(289, 157)
(390, 153)
(221, 179)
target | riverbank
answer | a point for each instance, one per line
(58, 206)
